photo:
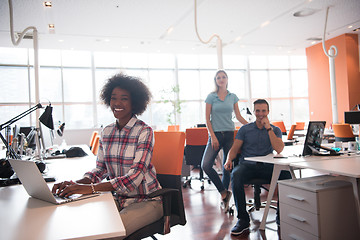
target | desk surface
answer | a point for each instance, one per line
(23, 217)
(349, 166)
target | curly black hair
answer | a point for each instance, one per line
(140, 93)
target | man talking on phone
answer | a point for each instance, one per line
(258, 138)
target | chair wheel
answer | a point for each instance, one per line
(231, 210)
(184, 185)
(202, 187)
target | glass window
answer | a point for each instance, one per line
(301, 110)
(104, 115)
(134, 60)
(162, 113)
(258, 62)
(77, 85)
(11, 111)
(279, 84)
(107, 59)
(161, 61)
(208, 62)
(188, 61)
(161, 84)
(259, 84)
(189, 85)
(207, 83)
(298, 62)
(13, 55)
(237, 83)
(50, 84)
(79, 116)
(281, 111)
(11, 80)
(191, 114)
(234, 62)
(101, 76)
(49, 57)
(76, 58)
(299, 81)
(278, 62)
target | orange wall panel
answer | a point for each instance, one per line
(346, 73)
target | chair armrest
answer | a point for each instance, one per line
(166, 194)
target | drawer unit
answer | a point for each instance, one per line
(317, 208)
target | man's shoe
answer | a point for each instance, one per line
(240, 227)
(225, 201)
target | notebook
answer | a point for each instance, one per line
(35, 185)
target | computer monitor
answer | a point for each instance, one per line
(352, 117)
(313, 139)
(46, 136)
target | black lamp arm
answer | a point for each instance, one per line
(21, 115)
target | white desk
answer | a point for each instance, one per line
(348, 169)
(23, 217)
(289, 163)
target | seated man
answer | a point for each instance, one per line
(258, 138)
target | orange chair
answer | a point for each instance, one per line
(196, 140)
(92, 139)
(95, 146)
(343, 132)
(291, 132)
(300, 126)
(173, 128)
(167, 158)
(281, 125)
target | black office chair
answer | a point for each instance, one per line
(167, 158)
(255, 203)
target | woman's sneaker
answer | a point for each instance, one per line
(225, 201)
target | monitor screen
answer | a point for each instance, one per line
(46, 136)
(314, 136)
(352, 117)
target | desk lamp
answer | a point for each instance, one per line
(45, 118)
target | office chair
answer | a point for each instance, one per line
(300, 125)
(92, 139)
(167, 158)
(173, 128)
(281, 125)
(291, 132)
(196, 140)
(343, 132)
(95, 146)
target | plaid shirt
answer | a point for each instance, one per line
(125, 157)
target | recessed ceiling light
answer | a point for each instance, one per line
(350, 26)
(60, 40)
(356, 29)
(265, 24)
(51, 26)
(305, 12)
(48, 4)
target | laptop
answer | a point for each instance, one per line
(35, 185)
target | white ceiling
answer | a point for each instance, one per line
(141, 25)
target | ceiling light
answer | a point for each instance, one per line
(305, 12)
(350, 26)
(48, 4)
(238, 39)
(51, 26)
(60, 40)
(265, 24)
(313, 42)
(356, 29)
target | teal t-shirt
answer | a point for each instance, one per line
(221, 111)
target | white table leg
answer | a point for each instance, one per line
(275, 176)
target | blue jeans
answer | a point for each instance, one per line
(244, 172)
(226, 140)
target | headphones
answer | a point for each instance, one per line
(6, 170)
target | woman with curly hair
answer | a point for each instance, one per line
(124, 156)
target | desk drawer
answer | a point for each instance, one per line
(298, 198)
(289, 232)
(299, 218)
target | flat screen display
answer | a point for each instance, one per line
(352, 117)
(314, 136)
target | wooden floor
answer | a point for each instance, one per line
(205, 220)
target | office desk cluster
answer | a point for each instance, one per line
(345, 167)
(23, 217)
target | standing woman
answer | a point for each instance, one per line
(124, 157)
(219, 107)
